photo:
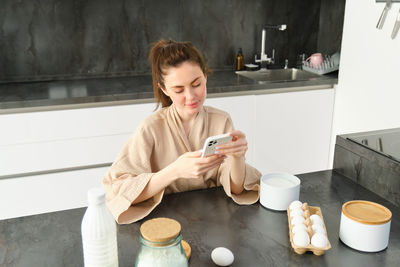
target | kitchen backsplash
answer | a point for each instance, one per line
(80, 38)
(330, 26)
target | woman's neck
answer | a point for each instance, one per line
(187, 122)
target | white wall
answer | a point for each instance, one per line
(368, 92)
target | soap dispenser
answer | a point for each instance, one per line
(239, 60)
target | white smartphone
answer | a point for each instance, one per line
(213, 141)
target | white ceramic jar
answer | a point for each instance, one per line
(278, 190)
(365, 225)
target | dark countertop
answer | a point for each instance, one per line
(37, 96)
(257, 236)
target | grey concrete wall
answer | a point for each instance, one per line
(61, 38)
(331, 26)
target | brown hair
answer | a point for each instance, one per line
(169, 53)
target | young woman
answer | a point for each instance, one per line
(163, 155)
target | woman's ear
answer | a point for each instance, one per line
(162, 89)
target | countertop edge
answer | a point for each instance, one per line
(151, 100)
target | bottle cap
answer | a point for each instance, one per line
(96, 196)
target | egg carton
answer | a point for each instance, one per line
(301, 250)
(326, 67)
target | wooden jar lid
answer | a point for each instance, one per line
(366, 212)
(160, 229)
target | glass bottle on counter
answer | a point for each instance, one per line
(160, 244)
(99, 232)
(239, 60)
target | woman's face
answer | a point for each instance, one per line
(186, 86)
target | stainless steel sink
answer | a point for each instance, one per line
(278, 75)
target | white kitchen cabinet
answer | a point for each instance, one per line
(50, 140)
(47, 192)
(293, 131)
(286, 132)
(62, 150)
(54, 154)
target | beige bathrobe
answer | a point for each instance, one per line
(160, 140)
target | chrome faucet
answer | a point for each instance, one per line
(264, 57)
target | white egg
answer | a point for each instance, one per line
(295, 204)
(299, 227)
(317, 228)
(316, 219)
(301, 239)
(319, 240)
(296, 212)
(222, 256)
(298, 220)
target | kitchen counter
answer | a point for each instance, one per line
(51, 95)
(257, 236)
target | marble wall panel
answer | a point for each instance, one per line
(374, 171)
(331, 26)
(56, 38)
(347, 163)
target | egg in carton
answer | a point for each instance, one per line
(307, 231)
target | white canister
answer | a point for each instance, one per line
(278, 190)
(365, 225)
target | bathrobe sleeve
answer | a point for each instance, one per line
(251, 190)
(128, 176)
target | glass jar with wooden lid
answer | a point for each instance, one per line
(365, 225)
(161, 244)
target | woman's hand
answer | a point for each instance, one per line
(192, 165)
(237, 148)
(189, 165)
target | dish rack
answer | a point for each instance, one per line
(326, 66)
